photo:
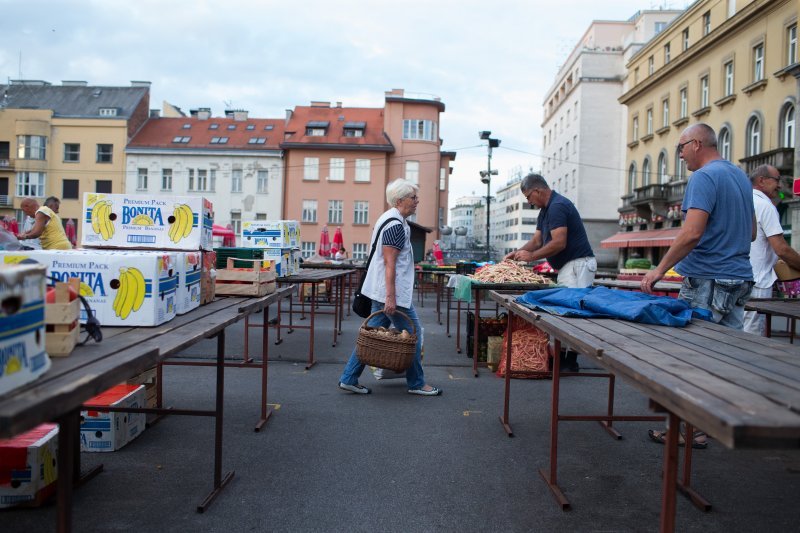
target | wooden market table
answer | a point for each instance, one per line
(351, 281)
(741, 389)
(339, 277)
(661, 288)
(91, 369)
(783, 307)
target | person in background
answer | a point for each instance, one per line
(390, 285)
(561, 239)
(341, 254)
(712, 248)
(53, 203)
(27, 226)
(47, 226)
(769, 244)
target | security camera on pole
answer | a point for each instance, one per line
(486, 177)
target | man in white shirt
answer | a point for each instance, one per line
(769, 244)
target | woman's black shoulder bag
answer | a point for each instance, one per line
(362, 305)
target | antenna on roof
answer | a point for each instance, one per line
(228, 104)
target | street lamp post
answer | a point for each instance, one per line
(486, 177)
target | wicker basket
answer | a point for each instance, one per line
(392, 352)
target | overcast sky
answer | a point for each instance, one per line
(490, 61)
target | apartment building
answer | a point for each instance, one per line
(513, 218)
(339, 160)
(461, 214)
(730, 64)
(583, 127)
(63, 140)
(235, 161)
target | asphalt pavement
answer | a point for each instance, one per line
(330, 460)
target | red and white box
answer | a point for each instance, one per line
(107, 432)
(28, 468)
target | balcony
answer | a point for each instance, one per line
(627, 206)
(5, 163)
(676, 190)
(6, 200)
(780, 158)
(655, 192)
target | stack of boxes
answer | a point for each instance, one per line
(107, 432)
(28, 469)
(280, 241)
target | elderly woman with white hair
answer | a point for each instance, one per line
(390, 284)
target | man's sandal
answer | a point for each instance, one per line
(699, 438)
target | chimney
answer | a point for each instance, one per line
(289, 114)
(240, 115)
(140, 83)
(320, 104)
(204, 113)
(339, 105)
(73, 83)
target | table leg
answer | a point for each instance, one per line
(438, 278)
(769, 325)
(266, 412)
(791, 333)
(278, 339)
(311, 328)
(685, 484)
(348, 289)
(449, 302)
(68, 435)
(219, 481)
(670, 475)
(475, 335)
(458, 326)
(551, 477)
(246, 358)
(340, 283)
(608, 424)
(504, 418)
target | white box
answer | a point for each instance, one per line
(294, 261)
(190, 270)
(147, 222)
(106, 432)
(22, 333)
(270, 234)
(153, 276)
(29, 479)
(277, 259)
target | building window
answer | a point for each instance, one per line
(219, 140)
(706, 23)
(31, 147)
(236, 180)
(261, 216)
(664, 113)
(412, 171)
(102, 186)
(236, 222)
(651, 66)
(731, 11)
(636, 76)
(635, 129)
(566, 152)
(649, 121)
(728, 78)
(704, 91)
(72, 153)
(684, 102)
(231, 127)
(574, 144)
(309, 211)
(360, 212)
(105, 153)
(70, 189)
(359, 250)
(791, 44)
(685, 40)
(646, 171)
(442, 179)
(667, 53)
(419, 130)
(631, 178)
(336, 169)
(30, 184)
(251, 127)
(724, 143)
(213, 126)
(362, 169)
(110, 112)
(787, 126)
(311, 168)
(212, 180)
(166, 179)
(189, 179)
(663, 177)
(181, 140)
(335, 210)
(758, 62)
(308, 249)
(141, 179)
(753, 137)
(680, 166)
(202, 179)
(659, 27)
(261, 181)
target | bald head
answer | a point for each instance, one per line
(697, 146)
(29, 206)
(703, 133)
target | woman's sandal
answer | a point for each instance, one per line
(699, 438)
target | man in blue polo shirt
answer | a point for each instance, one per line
(712, 249)
(561, 238)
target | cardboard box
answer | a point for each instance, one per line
(190, 270)
(61, 319)
(22, 333)
(105, 277)
(107, 432)
(294, 261)
(278, 259)
(28, 468)
(785, 272)
(270, 234)
(208, 277)
(147, 222)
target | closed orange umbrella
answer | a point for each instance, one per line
(324, 242)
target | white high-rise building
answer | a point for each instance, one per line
(584, 126)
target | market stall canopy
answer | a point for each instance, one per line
(641, 239)
(221, 231)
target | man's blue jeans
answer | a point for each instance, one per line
(415, 377)
(725, 298)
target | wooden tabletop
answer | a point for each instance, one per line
(789, 307)
(663, 286)
(742, 389)
(124, 352)
(314, 275)
(332, 266)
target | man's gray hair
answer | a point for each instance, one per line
(399, 189)
(759, 171)
(533, 181)
(703, 133)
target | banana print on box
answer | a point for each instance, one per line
(182, 227)
(101, 219)
(131, 292)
